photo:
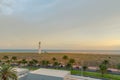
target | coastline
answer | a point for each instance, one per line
(114, 52)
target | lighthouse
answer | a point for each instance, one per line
(39, 48)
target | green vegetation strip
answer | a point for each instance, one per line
(97, 75)
(31, 68)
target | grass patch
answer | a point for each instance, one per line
(31, 68)
(96, 75)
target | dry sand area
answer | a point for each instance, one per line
(87, 58)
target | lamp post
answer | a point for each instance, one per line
(82, 68)
(39, 48)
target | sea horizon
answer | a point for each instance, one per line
(60, 51)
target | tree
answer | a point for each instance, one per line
(118, 66)
(54, 59)
(47, 62)
(31, 63)
(72, 61)
(7, 73)
(68, 66)
(35, 62)
(103, 69)
(65, 58)
(24, 61)
(44, 63)
(85, 67)
(106, 62)
(56, 64)
(8, 61)
(19, 62)
(14, 58)
(5, 57)
(0, 61)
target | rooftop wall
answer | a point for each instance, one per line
(42, 77)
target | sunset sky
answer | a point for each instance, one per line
(60, 24)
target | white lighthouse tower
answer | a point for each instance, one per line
(39, 48)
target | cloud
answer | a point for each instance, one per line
(6, 6)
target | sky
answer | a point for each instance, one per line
(60, 24)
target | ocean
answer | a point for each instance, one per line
(60, 51)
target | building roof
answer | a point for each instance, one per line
(21, 69)
(21, 72)
(51, 72)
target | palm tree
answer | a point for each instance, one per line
(72, 61)
(31, 63)
(65, 58)
(5, 57)
(14, 58)
(19, 63)
(103, 69)
(7, 73)
(85, 67)
(118, 66)
(35, 62)
(0, 62)
(106, 62)
(24, 61)
(56, 64)
(8, 61)
(44, 63)
(54, 59)
(47, 63)
(68, 66)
